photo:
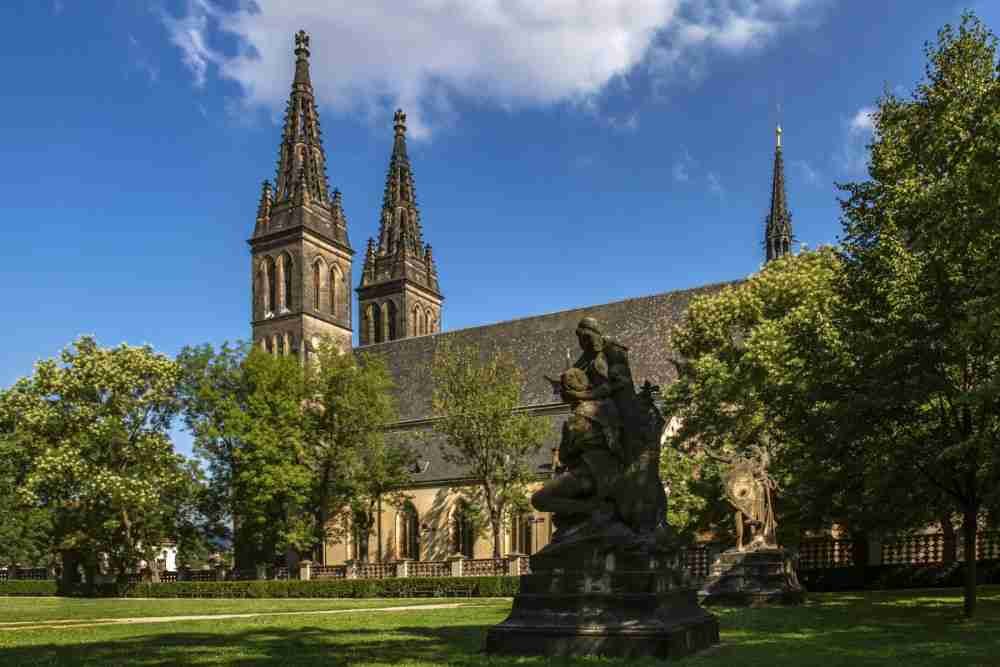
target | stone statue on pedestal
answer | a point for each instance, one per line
(758, 572)
(605, 585)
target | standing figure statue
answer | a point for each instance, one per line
(608, 471)
(750, 490)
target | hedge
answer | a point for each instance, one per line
(882, 577)
(28, 587)
(321, 588)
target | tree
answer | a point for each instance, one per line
(766, 363)
(244, 408)
(922, 278)
(476, 404)
(103, 463)
(26, 529)
(356, 468)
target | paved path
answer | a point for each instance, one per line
(91, 622)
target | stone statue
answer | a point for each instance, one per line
(750, 490)
(609, 453)
(605, 584)
(760, 572)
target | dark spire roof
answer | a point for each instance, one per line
(778, 229)
(301, 154)
(400, 251)
(301, 196)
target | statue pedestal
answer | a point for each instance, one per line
(608, 595)
(752, 578)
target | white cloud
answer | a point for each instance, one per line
(371, 56)
(810, 174)
(852, 157)
(681, 170)
(715, 185)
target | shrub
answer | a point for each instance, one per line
(28, 587)
(330, 588)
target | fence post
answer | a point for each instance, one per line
(352, 569)
(513, 565)
(305, 570)
(402, 569)
(456, 564)
(261, 571)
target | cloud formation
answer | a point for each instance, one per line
(853, 155)
(371, 56)
(681, 171)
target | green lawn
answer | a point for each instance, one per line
(15, 609)
(912, 629)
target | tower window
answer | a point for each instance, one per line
(334, 287)
(286, 270)
(377, 323)
(390, 320)
(316, 285)
(270, 298)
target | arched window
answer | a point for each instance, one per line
(367, 326)
(316, 284)
(420, 321)
(377, 323)
(271, 293)
(409, 532)
(286, 262)
(390, 321)
(334, 289)
(360, 530)
(463, 531)
(521, 533)
(413, 321)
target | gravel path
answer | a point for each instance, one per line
(86, 623)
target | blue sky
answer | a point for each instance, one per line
(566, 153)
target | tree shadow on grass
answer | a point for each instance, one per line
(873, 632)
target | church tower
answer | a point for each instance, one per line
(778, 229)
(300, 254)
(399, 294)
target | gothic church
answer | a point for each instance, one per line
(301, 267)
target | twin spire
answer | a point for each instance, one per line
(778, 225)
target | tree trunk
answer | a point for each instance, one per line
(969, 533)
(495, 526)
(950, 542)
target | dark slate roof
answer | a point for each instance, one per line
(541, 345)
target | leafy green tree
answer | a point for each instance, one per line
(766, 363)
(244, 408)
(922, 278)
(356, 468)
(476, 404)
(103, 464)
(26, 530)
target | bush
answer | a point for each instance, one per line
(329, 588)
(28, 587)
(884, 577)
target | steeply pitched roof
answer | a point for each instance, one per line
(542, 345)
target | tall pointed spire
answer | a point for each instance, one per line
(778, 228)
(301, 145)
(399, 265)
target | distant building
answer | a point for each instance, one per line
(301, 260)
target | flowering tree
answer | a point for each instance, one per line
(96, 421)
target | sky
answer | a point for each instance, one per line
(566, 152)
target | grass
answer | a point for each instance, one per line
(907, 628)
(15, 609)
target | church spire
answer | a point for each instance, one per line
(301, 153)
(399, 266)
(778, 228)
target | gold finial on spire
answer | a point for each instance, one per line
(777, 133)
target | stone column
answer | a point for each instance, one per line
(456, 564)
(513, 565)
(305, 570)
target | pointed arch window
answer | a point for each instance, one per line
(521, 526)
(390, 321)
(334, 291)
(270, 294)
(317, 273)
(360, 530)
(286, 281)
(377, 323)
(409, 532)
(463, 531)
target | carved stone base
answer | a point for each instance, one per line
(604, 595)
(752, 578)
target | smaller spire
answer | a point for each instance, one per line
(399, 122)
(264, 207)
